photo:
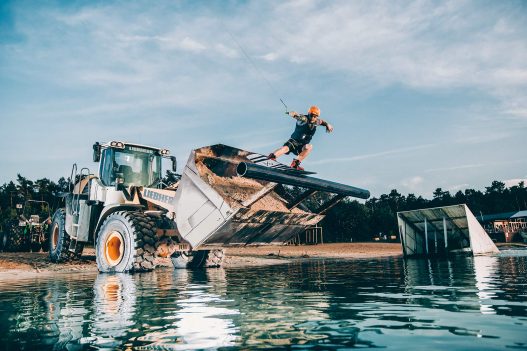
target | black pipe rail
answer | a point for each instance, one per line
(251, 170)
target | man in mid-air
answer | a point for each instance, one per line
(298, 144)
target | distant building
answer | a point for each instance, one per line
(505, 227)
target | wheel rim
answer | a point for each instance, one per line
(55, 236)
(114, 248)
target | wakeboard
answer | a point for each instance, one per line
(264, 161)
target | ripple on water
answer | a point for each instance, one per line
(462, 303)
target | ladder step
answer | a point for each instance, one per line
(73, 245)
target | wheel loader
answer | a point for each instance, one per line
(225, 197)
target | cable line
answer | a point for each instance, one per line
(256, 68)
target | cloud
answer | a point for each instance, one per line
(513, 182)
(226, 51)
(500, 163)
(422, 45)
(272, 56)
(192, 45)
(453, 168)
(404, 150)
(144, 70)
(455, 188)
(412, 183)
(518, 112)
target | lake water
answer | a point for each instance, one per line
(463, 303)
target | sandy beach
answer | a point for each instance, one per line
(27, 264)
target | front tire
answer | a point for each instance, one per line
(126, 243)
(208, 258)
(198, 259)
(215, 258)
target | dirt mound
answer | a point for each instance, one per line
(234, 189)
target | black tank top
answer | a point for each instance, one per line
(304, 131)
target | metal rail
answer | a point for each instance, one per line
(251, 170)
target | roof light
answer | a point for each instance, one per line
(117, 144)
(165, 152)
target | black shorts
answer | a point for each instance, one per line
(294, 146)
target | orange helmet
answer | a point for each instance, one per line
(313, 110)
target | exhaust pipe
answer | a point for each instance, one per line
(254, 171)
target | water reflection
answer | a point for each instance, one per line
(66, 315)
(485, 268)
(281, 305)
(200, 319)
(114, 308)
(466, 302)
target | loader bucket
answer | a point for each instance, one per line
(231, 197)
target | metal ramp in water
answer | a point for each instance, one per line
(443, 230)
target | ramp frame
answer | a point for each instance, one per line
(441, 231)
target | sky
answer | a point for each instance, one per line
(422, 94)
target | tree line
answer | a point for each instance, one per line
(348, 220)
(351, 220)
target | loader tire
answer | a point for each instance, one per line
(126, 242)
(215, 258)
(59, 240)
(15, 240)
(207, 258)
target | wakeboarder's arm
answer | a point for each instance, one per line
(298, 116)
(329, 127)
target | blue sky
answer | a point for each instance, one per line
(422, 94)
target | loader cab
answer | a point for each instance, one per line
(128, 164)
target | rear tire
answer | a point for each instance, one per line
(46, 244)
(59, 240)
(126, 243)
(36, 246)
(15, 239)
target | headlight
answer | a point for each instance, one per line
(117, 144)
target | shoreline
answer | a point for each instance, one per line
(22, 265)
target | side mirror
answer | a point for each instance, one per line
(174, 163)
(96, 152)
